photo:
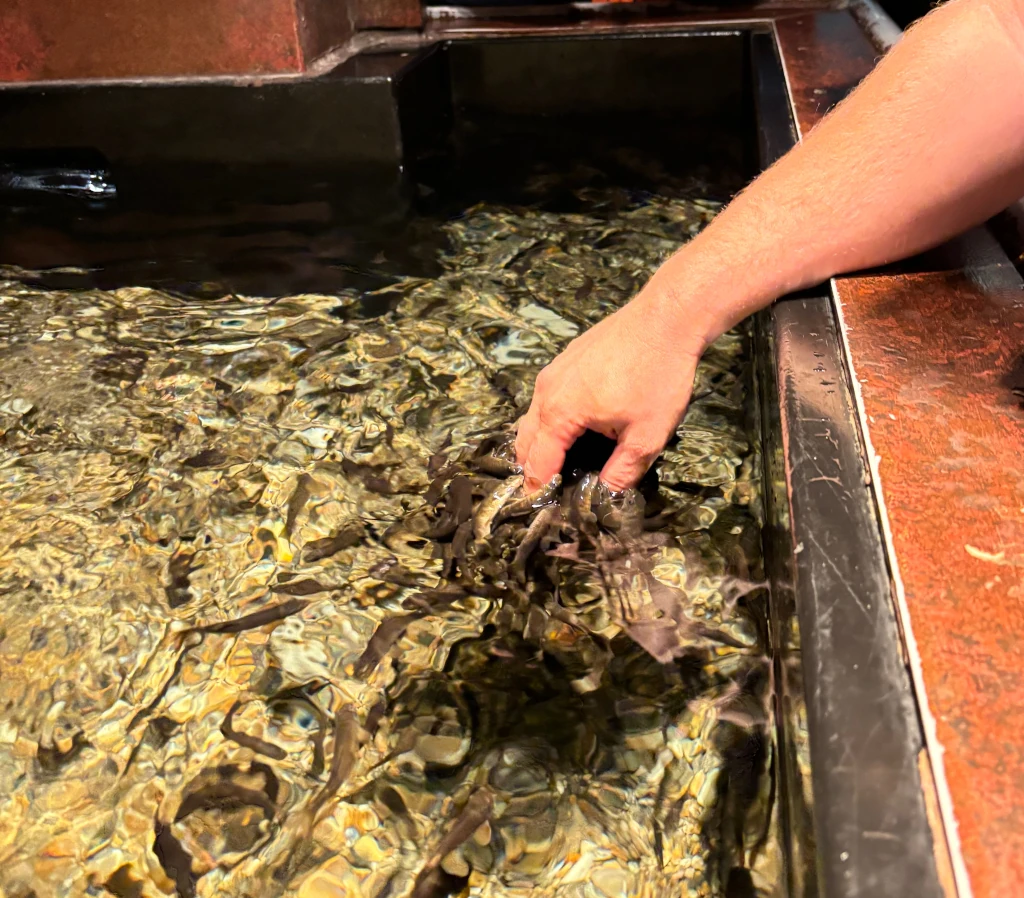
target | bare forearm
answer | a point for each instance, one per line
(930, 144)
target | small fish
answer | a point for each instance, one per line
(300, 496)
(476, 811)
(374, 718)
(208, 458)
(581, 503)
(345, 538)
(622, 512)
(179, 588)
(539, 526)
(532, 501)
(303, 694)
(432, 601)
(175, 860)
(438, 461)
(390, 570)
(488, 510)
(435, 490)
(387, 634)
(458, 509)
(308, 587)
(343, 759)
(256, 619)
(225, 795)
(460, 557)
(369, 476)
(260, 746)
(585, 289)
(496, 466)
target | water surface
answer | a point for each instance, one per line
(200, 492)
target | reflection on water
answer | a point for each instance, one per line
(210, 681)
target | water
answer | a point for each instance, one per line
(206, 501)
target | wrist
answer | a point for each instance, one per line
(697, 298)
(732, 269)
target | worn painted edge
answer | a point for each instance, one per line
(943, 859)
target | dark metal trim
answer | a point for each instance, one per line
(872, 831)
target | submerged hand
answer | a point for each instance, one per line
(629, 377)
(870, 184)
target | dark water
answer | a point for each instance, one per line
(211, 432)
(206, 231)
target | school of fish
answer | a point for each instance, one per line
(277, 617)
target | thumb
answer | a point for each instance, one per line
(639, 446)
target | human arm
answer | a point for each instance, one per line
(930, 144)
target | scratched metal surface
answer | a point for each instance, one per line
(197, 552)
(826, 55)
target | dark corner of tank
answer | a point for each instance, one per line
(652, 112)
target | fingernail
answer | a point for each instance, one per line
(614, 490)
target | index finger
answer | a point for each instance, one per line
(541, 448)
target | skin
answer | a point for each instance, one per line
(929, 145)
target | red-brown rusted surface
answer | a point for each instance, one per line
(61, 39)
(45, 40)
(826, 55)
(386, 13)
(325, 25)
(938, 358)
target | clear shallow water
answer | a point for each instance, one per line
(200, 498)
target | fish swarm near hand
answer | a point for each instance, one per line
(279, 618)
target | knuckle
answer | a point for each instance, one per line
(640, 450)
(548, 416)
(557, 418)
(526, 431)
(634, 454)
(543, 383)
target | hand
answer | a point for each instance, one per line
(629, 377)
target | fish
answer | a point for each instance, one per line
(384, 638)
(345, 538)
(261, 618)
(487, 511)
(476, 811)
(539, 526)
(260, 746)
(312, 503)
